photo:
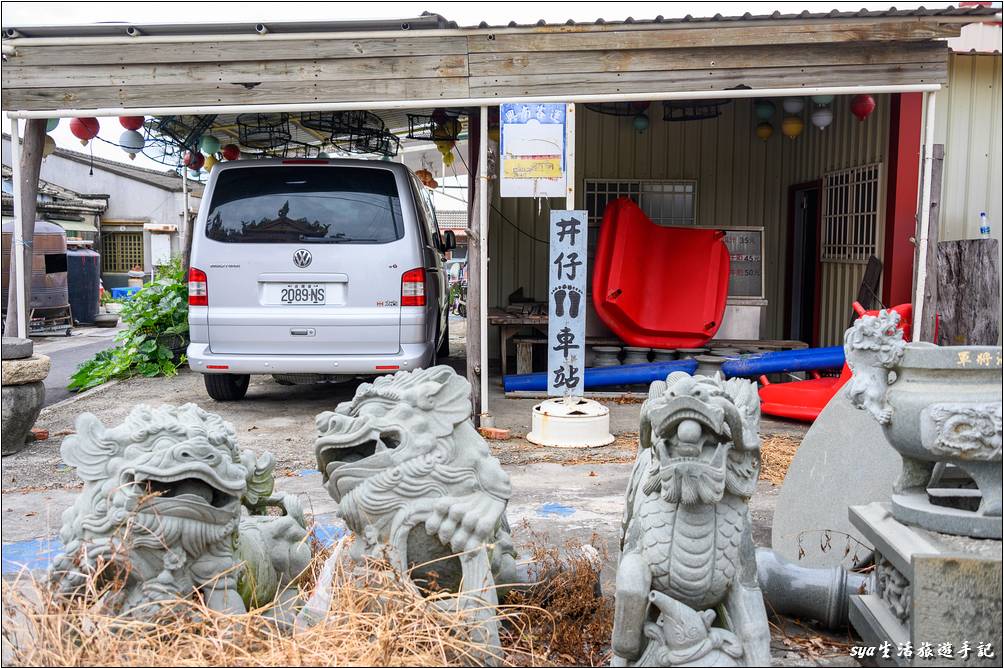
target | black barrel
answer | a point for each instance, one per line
(83, 269)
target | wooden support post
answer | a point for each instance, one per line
(474, 272)
(188, 231)
(930, 297)
(26, 163)
(482, 167)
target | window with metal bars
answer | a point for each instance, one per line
(665, 202)
(121, 251)
(851, 214)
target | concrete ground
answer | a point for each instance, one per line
(66, 354)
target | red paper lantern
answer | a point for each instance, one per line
(84, 129)
(231, 152)
(862, 106)
(439, 115)
(193, 161)
(131, 122)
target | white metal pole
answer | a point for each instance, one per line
(17, 238)
(483, 251)
(377, 105)
(925, 215)
(570, 156)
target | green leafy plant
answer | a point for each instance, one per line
(156, 320)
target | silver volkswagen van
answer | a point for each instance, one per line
(312, 270)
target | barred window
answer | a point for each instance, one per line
(851, 214)
(665, 202)
(121, 251)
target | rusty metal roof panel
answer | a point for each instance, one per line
(430, 21)
(980, 12)
(426, 21)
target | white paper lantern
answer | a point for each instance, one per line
(822, 117)
(132, 142)
(793, 106)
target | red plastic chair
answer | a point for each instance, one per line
(656, 286)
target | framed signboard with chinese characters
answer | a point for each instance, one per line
(533, 138)
(566, 304)
(746, 277)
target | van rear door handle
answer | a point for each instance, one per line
(302, 332)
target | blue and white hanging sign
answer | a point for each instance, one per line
(533, 140)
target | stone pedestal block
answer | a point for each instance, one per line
(21, 405)
(939, 593)
(25, 370)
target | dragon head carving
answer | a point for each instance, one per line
(703, 432)
(873, 346)
(162, 498)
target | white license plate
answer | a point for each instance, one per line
(301, 293)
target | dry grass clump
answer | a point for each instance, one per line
(566, 619)
(776, 454)
(374, 618)
(379, 620)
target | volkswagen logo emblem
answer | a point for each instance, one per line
(302, 258)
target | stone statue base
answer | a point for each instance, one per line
(930, 589)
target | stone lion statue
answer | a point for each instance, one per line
(417, 484)
(686, 591)
(871, 346)
(172, 507)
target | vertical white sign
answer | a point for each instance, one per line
(566, 308)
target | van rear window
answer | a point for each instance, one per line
(304, 205)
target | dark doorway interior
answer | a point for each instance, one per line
(803, 264)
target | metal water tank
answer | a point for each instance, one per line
(48, 265)
(83, 278)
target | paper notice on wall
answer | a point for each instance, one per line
(532, 150)
(160, 249)
(566, 306)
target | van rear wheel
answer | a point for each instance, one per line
(226, 387)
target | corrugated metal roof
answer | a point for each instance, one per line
(430, 21)
(804, 15)
(117, 29)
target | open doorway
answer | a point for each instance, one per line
(803, 261)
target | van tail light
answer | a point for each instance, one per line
(413, 288)
(198, 289)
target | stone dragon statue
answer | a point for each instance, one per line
(872, 346)
(170, 507)
(686, 589)
(418, 486)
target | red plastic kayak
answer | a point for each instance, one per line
(656, 286)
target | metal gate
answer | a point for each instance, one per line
(853, 224)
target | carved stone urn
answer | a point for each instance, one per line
(940, 408)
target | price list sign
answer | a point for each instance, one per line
(566, 323)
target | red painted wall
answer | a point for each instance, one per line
(905, 116)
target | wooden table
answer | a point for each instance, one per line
(510, 324)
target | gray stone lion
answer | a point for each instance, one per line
(418, 486)
(172, 507)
